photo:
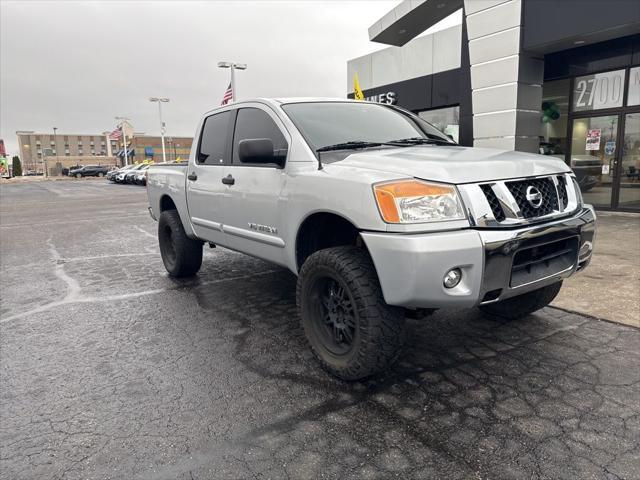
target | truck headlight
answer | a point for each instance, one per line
(416, 201)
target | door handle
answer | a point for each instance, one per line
(228, 180)
(192, 176)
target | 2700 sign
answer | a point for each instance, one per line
(602, 90)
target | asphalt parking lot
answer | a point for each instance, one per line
(110, 369)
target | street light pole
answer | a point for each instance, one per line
(55, 145)
(162, 125)
(124, 136)
(233, 66)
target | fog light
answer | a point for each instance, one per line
(452, 278)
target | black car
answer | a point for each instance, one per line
(89, 171)
(66, 170)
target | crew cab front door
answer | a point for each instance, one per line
(205, 190)
(255, 207)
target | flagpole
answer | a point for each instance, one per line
(233, 84)
(233, 67)
(124, 136)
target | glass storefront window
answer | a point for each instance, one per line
(553, 127)
(634, 87)
(630, 165)
(593, 152)
(447, 120)
(601, 90)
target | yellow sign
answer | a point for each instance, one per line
(357, 91)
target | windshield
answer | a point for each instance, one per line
(331, 123)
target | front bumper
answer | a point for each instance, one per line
(411, 267)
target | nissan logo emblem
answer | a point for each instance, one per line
(533, 196)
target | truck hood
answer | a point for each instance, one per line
(455, 164)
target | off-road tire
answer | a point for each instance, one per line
(380, 328)
(523, 305)
(181, 255)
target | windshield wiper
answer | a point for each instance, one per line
(349, 145)
(420, 141)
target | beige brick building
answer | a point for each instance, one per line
(34, 147)
(55, 152)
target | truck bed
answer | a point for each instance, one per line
(166, 182)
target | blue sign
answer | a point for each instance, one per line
(609, 148)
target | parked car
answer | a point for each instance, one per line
(66, 170)
(89, 171)
(141, 177)
(378, 214)
(130, 175)
(112, 174)
(121, 176)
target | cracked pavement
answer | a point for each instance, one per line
(110, 369)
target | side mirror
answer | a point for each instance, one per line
(258, 150)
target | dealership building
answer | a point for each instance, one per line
(560, 78)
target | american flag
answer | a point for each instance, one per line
(116, 134)
(228, 95)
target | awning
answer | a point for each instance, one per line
(131, 152)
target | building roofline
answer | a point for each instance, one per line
(409, 19)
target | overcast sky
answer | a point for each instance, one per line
(75, 65)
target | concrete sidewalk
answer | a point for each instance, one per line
(610, 287)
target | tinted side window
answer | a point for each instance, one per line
(213, 142)
(255, 123)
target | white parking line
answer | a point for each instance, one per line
(74, 293)
(145, 232)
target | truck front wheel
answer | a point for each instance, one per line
(181, 255)
(350, 328)
(523, 305)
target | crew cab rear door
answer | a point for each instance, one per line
(255, 205)
(205, 190)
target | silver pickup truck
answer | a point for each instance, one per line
(379, 214)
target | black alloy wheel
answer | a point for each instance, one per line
(351, 330)
(333, 314)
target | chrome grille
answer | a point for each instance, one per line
(547, 189)
(518, 201)
(494, 203)
(563, 197)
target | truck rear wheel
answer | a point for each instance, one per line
(523, 305)
(350, 328)
(181, 255)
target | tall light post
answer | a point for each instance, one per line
(124, 137)
(233, 67)
(55, 146)
(162, 125)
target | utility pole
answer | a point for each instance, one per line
(162, 125)
(233, 66)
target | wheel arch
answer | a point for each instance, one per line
(167, 203)
(324, 229)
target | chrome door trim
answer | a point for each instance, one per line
(255, 236)
(206, 223)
